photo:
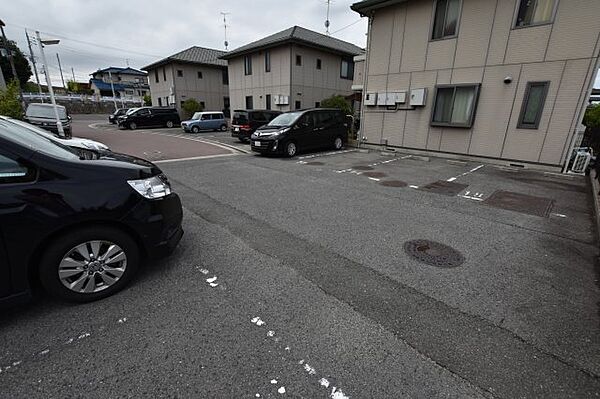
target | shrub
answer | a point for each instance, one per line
(592, 117)
(9, 101)
(147, 100)
(339, 102)
(190, 107)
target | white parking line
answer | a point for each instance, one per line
(194, 158)
(466, 173)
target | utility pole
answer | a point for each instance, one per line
(32, 57)
(225, 14)
(12, 63)
(112, 86)
(61, 74)
(59, 126)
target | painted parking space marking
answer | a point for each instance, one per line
(466, 173)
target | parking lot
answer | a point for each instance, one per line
(295, 278)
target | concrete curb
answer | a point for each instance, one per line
(595, 194)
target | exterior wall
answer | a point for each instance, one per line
(304, 83)
(311, 85)
(210, 89)
(260, 83)
(485, 51)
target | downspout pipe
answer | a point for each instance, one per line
(365, 80)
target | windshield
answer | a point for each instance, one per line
(36, 142)
(285, 119)
(131, 111)
(239, 118)
(43, 111)
(197, 116)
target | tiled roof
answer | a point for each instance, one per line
(297, 34)
(195, 55)
(128, 71)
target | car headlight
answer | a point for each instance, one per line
(152, 188)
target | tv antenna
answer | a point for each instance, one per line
(327, 20)
(225, 14)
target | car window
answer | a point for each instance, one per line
(43, 111)
(35, 142)
(286, 119)
(240, 118)
(271, 116)
(205, 117)
(258, 117)
(217, 116)
(34, 128)
(197, 116)
(11, 171)
(143, 112)
(132, 111)
(308, 119)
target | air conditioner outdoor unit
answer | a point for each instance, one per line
(370, 99)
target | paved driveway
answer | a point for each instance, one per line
(292, 280)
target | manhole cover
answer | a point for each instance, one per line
(361, 167)
(393, 183)
(315, 163)
(374, 174)
(444, 187)
(523, 203)
(433, 253)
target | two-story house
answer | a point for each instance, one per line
(507, 80)
(197, 73)
(128, 83)
(293, 69)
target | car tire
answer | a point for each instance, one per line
(291, 149)
(64, 263)
(223, 128)
(195, 129)
(170, 124)
(132, 125)
(338, 143)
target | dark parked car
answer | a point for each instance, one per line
(245, 122)
(112, 118)
(43, 115)
(79, 227)
(300, 131)
(149, 117)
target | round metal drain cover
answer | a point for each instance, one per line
(315, 163)
(434, 253)
(361, 167)
(393, 183)
(374, 174)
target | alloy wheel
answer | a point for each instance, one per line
(291, 149)
(169, 124)
(133, 126)
(338, 143)
(92, 266)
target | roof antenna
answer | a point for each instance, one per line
(327, 20)
(225, 14)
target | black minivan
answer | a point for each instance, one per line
(149, 117)
(80, 227)
(300, 131)
(245, 122)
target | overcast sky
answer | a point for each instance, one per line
(100, 33)
(143, 31)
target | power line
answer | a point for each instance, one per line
(347, 26)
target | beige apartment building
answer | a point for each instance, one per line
(196, 73)
(507, 80)
(293, 69)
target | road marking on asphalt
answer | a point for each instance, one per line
(324, 154)
(374, 179)
(281, 390)
(415, 187)
(466, 173)
(560, 215)
(193, 158)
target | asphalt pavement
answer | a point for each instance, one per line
(292, 281)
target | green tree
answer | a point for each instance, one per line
(592, 116)
(9, 101)
(339, 102)
(191, 106)
(73, 86)
(21, 64)
(147, 100)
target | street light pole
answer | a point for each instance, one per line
(61, 74)
(61, 131)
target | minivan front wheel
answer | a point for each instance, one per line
(291, 149)
(169, 124)
(338, 143)
(133, 125)
(89, 264)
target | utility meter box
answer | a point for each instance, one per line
(370, 99)
(418, 97)
(382, 99)
(398, 97)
